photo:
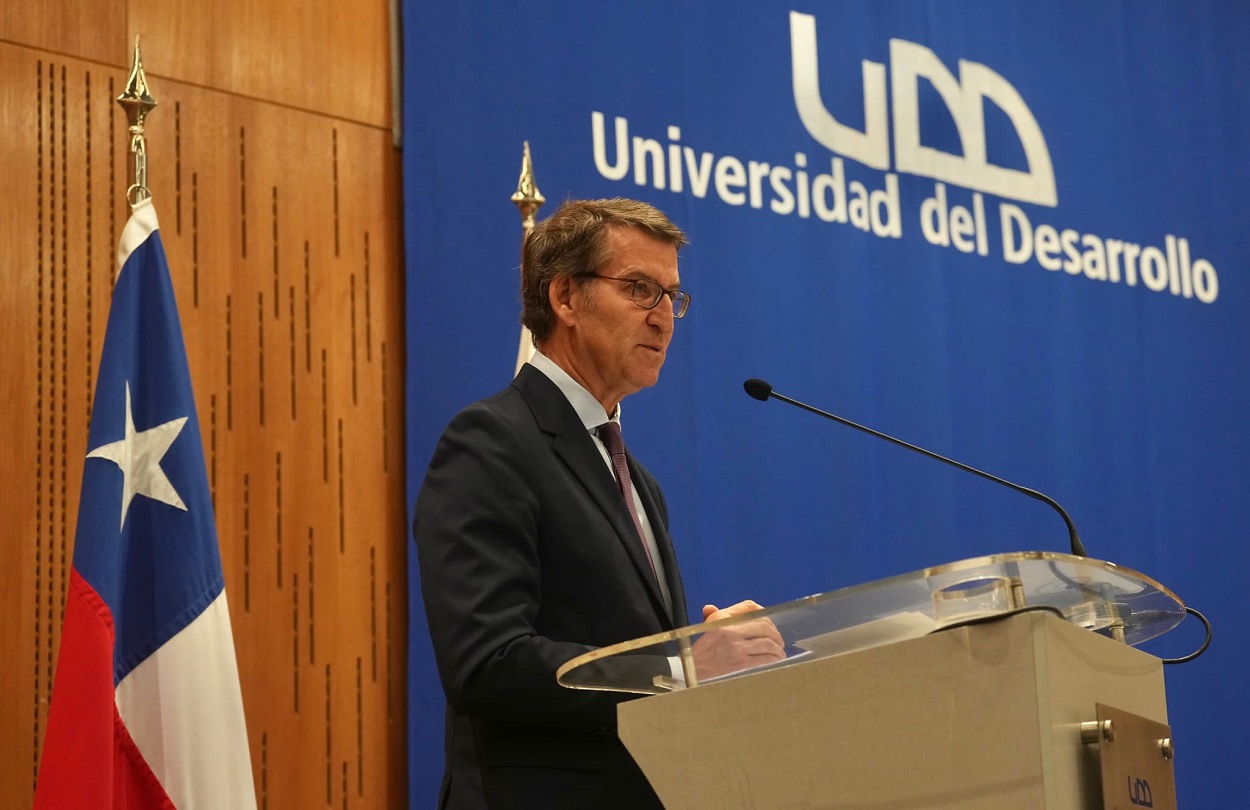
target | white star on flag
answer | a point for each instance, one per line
(139, 456)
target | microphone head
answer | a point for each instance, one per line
(758, 389)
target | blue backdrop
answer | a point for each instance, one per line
(1009, 232)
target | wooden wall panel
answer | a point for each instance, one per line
(282, 232)
(93, 30)
(311, 509)
(59, 159)
(329, 56)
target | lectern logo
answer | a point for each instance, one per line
(1139, 792)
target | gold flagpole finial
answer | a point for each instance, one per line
(528, 198)
(137, 102)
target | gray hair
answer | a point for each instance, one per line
(573, 242)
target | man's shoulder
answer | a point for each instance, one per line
(508, 405)
(529, 399)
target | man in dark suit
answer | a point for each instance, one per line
(536, 546)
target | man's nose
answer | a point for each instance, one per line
(662, 313)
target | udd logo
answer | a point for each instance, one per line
(964, 97)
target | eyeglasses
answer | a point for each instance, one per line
(647, 293)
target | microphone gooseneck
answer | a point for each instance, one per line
(758, 389)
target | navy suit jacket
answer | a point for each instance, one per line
(528, 558)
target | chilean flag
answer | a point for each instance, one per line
(146, 709)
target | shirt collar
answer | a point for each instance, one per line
(588, 408)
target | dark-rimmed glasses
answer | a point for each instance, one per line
(647, 294)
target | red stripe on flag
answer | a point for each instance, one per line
(89, 760)
(134, 784)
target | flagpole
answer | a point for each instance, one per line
(528, 199)
(137, 102)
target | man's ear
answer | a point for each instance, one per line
(563, 293)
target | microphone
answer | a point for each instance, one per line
(758, 389)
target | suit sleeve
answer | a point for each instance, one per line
(476, 531)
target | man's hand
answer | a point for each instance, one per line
(720, 652)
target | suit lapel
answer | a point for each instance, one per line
(575, 446)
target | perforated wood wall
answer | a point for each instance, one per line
(276, 182)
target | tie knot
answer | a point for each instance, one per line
(610, 433)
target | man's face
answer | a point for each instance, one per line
(620, 347)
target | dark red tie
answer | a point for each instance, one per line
(610, 434)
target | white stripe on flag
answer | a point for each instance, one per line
(139, 227)
(184, 711)
(526, 350)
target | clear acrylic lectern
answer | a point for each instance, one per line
(974, 684)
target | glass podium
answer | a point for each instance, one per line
(1091, 594)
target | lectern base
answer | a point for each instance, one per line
(980, 717)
